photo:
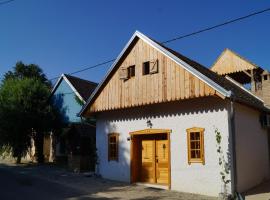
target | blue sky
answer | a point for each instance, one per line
(63, 36)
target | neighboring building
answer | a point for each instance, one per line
(157, 112)
(69, 95)
(244, 72)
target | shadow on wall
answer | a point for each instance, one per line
(161, 110)
(123, 152)
(58, 102)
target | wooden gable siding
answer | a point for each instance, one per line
(169, 84)
(229, 62)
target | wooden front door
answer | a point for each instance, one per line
(155, 162)
(162, 163)
(148, 164)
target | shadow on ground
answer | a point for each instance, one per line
(260, 192)
(33, 181)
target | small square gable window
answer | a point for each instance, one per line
(150, 67)
(131, 71)
(146, 68)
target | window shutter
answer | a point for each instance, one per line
(123, 73)
(154, 66)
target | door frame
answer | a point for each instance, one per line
(149, 132)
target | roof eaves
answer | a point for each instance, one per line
(73, 88)
(57, 83)
(243, 88)
(243, 58)
(236, 54)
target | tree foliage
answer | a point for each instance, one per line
(24, 110)
(21, 71)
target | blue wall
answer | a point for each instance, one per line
(64, 99)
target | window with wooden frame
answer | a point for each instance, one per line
(131, 71)
(113, 139)
(146, 68)
(195, 142)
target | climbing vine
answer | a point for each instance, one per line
(224, 172)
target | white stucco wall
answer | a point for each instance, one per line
(252, 155)
(209, 113)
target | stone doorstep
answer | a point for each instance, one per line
(156, 186)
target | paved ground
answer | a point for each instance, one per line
(47, 182)
(261, 192)
(21, 187)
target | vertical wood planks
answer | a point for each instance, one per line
(172, 82)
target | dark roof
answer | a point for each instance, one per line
(83, 87)
(239, 94)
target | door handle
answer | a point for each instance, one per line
(156, 160)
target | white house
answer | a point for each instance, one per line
(157, 112)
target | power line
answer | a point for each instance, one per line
(5, 2)
(94, 66)
(217, 26)
(87, 68)
(183, 36)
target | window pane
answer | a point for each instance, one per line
(195, 145)
(112, 139)
(197, 135)
(192, 154)
(195, 154)
(192, 136)
(111, 149)
(192, 145)
(132, 71)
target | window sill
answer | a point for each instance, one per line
(196, 161)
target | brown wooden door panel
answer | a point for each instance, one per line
(162, 173)
(155, 162)
(147, 168)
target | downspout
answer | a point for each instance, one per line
(233, 145)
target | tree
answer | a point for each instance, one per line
(21, 71)
(24, 110)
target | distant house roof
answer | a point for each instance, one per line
(82, 88)
(218, 82)
(230, 62)
(238, 93)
